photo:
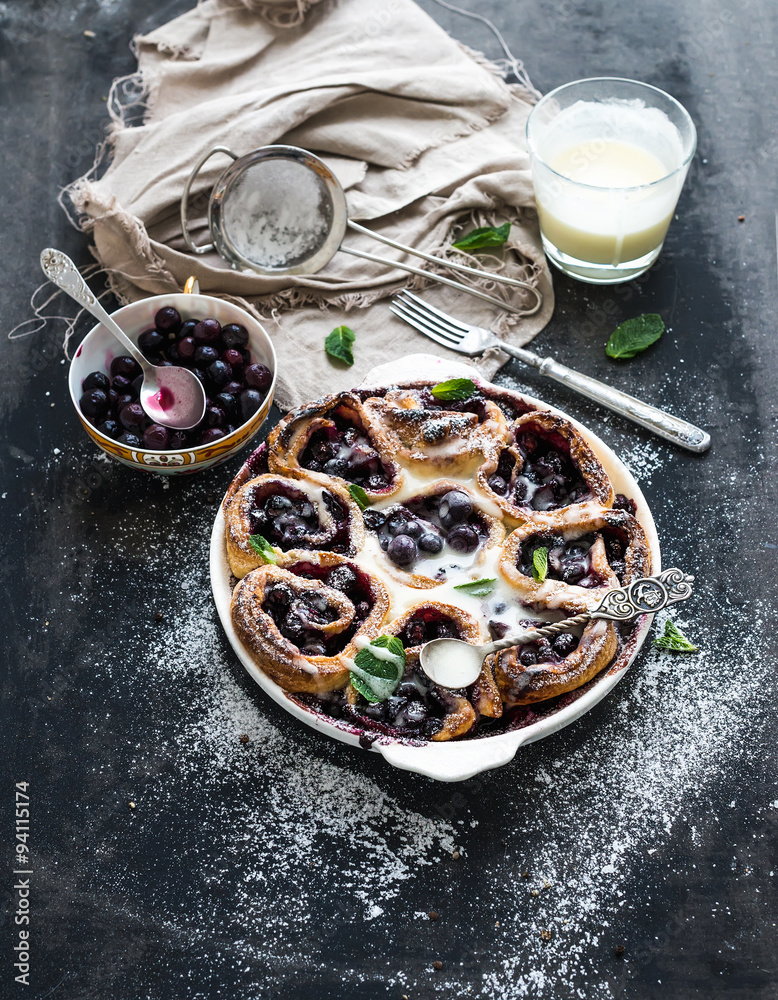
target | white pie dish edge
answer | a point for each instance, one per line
(456, 760)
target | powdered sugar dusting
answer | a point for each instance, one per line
(318, 827)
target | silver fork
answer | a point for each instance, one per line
(472, 340)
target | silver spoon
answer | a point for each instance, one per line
(453, 663)
(174, 396)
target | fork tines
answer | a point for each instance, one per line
(428, 320)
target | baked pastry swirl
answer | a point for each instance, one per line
(388, 512)
(290, 514)
(300, 618)
(334, 440)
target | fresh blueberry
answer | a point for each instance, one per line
(250, 402)
(258, 376)
(93, 403)
(430, 542)
(167, 319)
(156, 437)
(235, 335)
(455, 507)
(396, 522)
(96, 380)
(207, 331)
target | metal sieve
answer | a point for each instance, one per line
(280, 210)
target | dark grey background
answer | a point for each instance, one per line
(256, 870)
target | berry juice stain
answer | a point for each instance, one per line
(164, 399)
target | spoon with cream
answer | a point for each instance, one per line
(174, 396)
(454, 663)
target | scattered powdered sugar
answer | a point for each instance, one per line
(320, 854)
(643, 459)
(308, 826)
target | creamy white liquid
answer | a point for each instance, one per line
(606, 201)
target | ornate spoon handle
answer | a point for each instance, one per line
(61, 270)
(643, 596)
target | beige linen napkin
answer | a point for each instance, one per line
(424, 136)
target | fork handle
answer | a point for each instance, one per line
(672, 428)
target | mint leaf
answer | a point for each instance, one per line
(540, 563)
(375, 675)
(674, 640)
(359, 496)
(634, 336)
(478, 588)
(338, 344)
(486, 236)
(263, 548)
(455, 389)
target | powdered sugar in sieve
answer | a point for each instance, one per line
(277, 213)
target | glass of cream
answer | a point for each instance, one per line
(609, 158)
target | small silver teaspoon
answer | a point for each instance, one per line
(453, 663)
(174, 396)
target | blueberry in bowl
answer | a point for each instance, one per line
(104, 387)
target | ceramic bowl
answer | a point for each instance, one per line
(456, 760)
(99, 347)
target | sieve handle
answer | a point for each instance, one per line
(431, 276)
(185, 197)
(476, 272)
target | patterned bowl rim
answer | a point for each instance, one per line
(99, 437)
